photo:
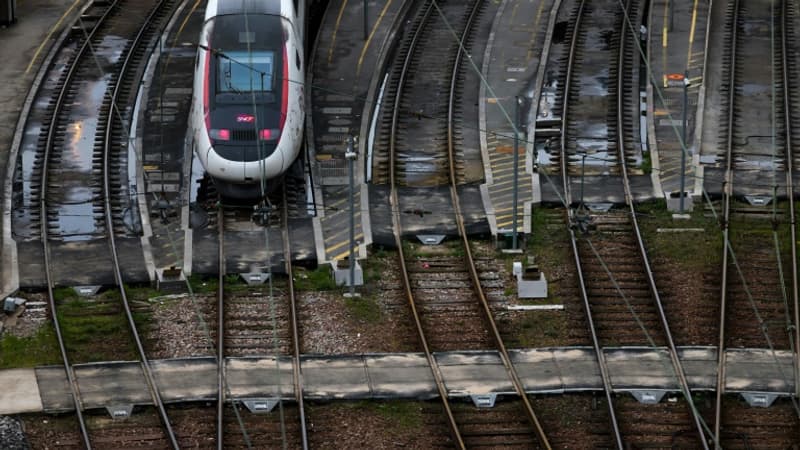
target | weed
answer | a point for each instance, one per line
(319, 279)
(203, 285)
(141, 293)
(37, 350)
(64, 293)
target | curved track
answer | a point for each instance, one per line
(621, 300)
(107, 150)
(423, 158)
(759, 298)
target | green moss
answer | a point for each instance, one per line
(37, 350)
(96, 331)
(542, 329)
(364, 308)
(691, 249)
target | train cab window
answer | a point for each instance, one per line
(297, 59)
(241, 71)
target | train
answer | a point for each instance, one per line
(247, 115)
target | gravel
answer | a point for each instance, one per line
(11, 435)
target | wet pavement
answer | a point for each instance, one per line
(520, 33)
(345, 81)
(23, 48)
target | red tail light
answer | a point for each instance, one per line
(220, 135)
(269, 134)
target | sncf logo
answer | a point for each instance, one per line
(245, 118)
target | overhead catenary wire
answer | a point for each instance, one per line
(705, 194)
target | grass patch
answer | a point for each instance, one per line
(141, 293)
(542, 329)
(406, 415)
(97, 331)
(203, 285)
(39, 349)
(64, 293)
(319, 279)
(647, 163)
(234, 283)
(364, 308)
(691, 249)
(453, 247)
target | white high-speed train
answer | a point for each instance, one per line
(247, 106)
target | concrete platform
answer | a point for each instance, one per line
(395, 376)
(345, 63)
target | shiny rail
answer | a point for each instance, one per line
(396, 222)
(297, 378)
(451, 154)
(573, 240)
(138, 41)
(49, 144)
(70, 76)
(728, 194)
(787, 102)
(629, 200)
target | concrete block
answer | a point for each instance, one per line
(341, 273)
(531, 283)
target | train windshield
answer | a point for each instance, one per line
(242, 71)
(248, 49)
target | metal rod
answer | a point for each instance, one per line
(366, 33)
(351, 156)
(683, 140)
(583, 173)
(516, 173)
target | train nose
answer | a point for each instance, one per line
(225, 169)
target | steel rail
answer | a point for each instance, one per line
(51, 131)
(107, 152)
(221, 325)
(727, 194)
(504, 356)
(297, 372)
(787, 104)
(601, 360)
(673, 351)
(396, 225)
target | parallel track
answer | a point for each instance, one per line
(107, 149)
(431, 176)
(616, 282)
(294, 337)
(753, 276)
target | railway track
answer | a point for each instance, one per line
(758, 289)
(444, 292)
(61, 190)
(621, 300)
(256, 327)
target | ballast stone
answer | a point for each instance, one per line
(11, 435)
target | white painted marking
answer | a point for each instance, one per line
(337, 110)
